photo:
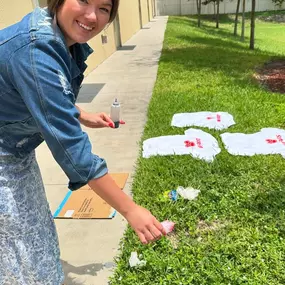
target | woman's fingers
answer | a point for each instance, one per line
(159, 226)
(144, 223)
(156, 233)
(148, 235)
(104, 116)
(142, 238)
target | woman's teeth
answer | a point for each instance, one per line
(85, 27)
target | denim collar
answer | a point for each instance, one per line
(80, 53)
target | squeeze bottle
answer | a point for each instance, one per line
(115, 112)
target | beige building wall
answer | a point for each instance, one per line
(101, 51)
(129, 18)
(12, 11)
(144, 11)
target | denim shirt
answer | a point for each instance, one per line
(39, 84)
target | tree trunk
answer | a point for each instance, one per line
(199, 3)
(218, 14)
(252, 25)
(236, 19)
(243, 21)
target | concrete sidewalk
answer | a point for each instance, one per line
(89, 246)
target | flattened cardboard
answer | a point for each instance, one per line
(86, 204)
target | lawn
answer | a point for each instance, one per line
(234, 233)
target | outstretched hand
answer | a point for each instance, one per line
(146, 226)
(97, 120)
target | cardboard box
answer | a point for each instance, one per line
(84, 203)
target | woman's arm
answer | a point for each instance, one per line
(141, 220)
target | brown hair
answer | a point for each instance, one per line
(53, 6)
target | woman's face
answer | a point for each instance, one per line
(81, 20)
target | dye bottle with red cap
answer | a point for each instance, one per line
(115, 113)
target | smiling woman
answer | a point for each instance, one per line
(81, 20)
(42, 62)
(53, 5)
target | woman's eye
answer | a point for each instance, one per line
(84, 1)
(105, 10)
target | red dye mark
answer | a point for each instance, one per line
(189, 144)
(271, 141)
(280, 139)
(199, 143)
(218, 118)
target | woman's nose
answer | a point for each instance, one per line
(91, 15)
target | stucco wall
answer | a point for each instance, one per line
(13, 11)
(129, 18)
(144, 9)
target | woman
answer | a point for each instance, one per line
(42, 60)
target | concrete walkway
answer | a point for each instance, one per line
(89, 246)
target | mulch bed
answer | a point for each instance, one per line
(272, 76)
(278, 18)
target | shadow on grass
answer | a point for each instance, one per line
(208, 26)
(225, 55)
(269, 203)
(209, 48)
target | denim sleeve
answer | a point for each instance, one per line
(40, 72)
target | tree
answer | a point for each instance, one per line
(199, 4)
(252, 25)
(236, 18)
(217, 15)
(243, 20)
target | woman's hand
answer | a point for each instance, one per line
(97, 120)
(146, 226)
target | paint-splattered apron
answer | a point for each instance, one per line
(29, 252)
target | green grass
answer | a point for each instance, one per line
(234, 233)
